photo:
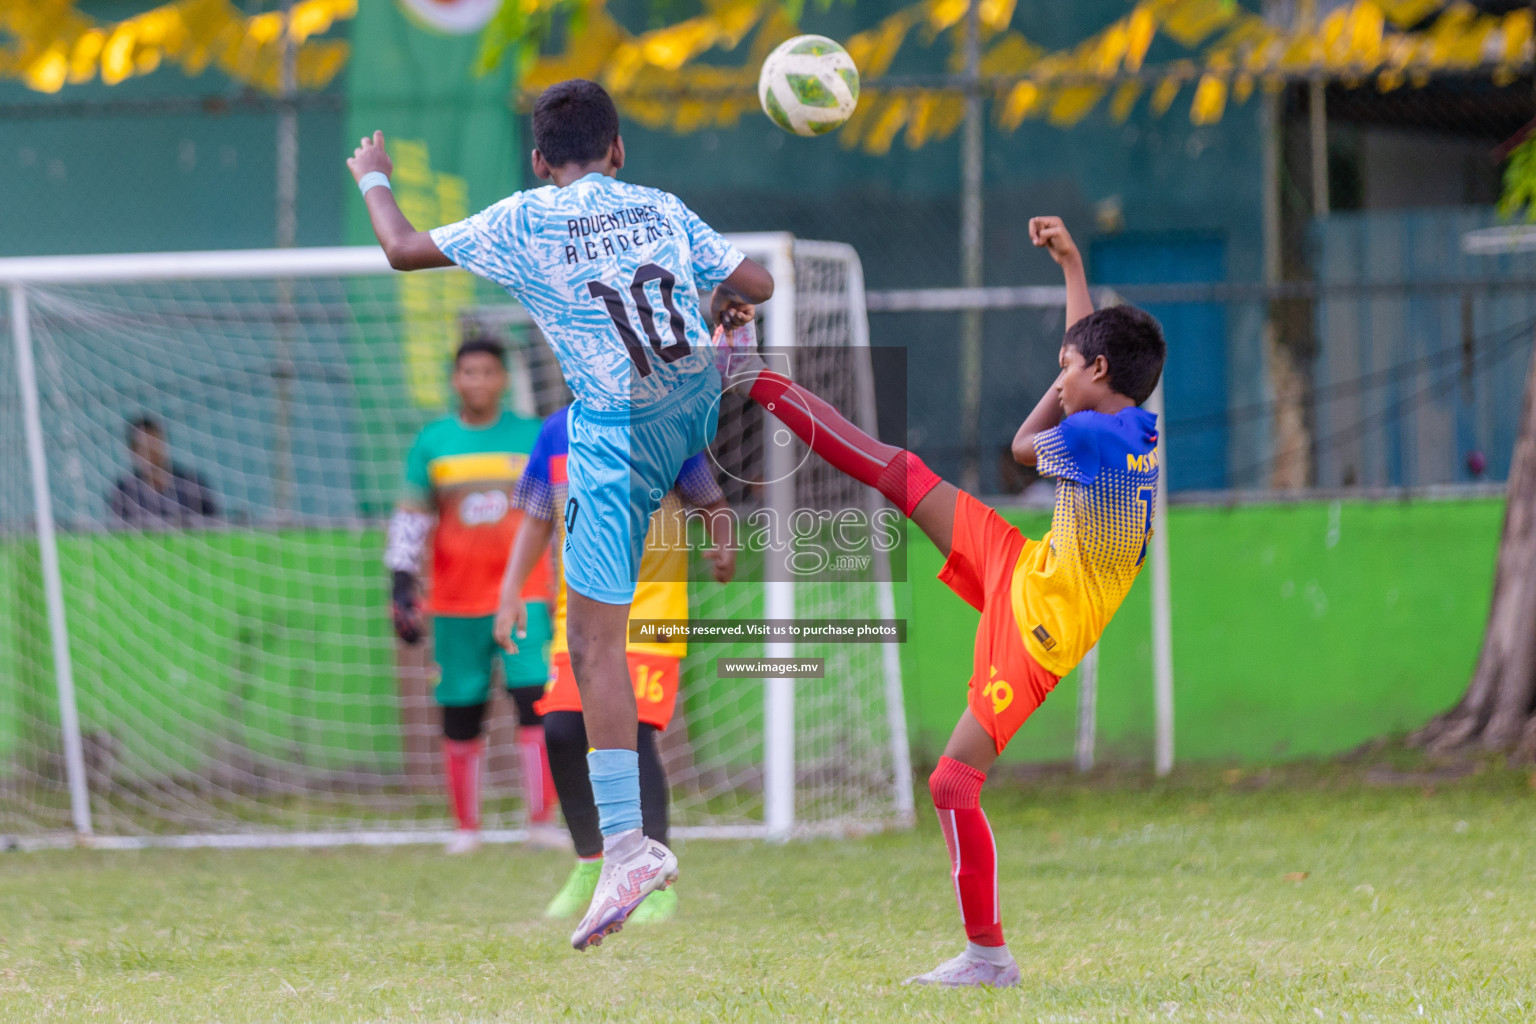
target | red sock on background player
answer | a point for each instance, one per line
(538, 782)
(462, 759)
(956, 789)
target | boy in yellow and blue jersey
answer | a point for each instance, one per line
(1043, 603)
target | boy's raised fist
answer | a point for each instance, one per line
(1050, 234)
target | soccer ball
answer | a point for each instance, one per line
(808, 85)
(453, 17)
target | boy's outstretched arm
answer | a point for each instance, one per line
(734, 301)
(1050, 234)
(406, 248)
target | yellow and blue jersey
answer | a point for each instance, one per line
(1068, 584)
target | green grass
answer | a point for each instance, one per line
(1124, 900)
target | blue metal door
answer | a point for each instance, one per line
(1195, 376)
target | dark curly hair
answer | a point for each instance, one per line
(1131, 340)
(574, 122)
(481, 343)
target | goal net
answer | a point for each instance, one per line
(224, 672)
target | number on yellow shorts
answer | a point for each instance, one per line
(1000, 691)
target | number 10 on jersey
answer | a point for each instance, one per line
(620, 316)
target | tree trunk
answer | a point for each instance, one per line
(1291, 352)
(1498, 711)
(1291, 339)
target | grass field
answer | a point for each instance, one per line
(1312, 893)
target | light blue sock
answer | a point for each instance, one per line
(615, 778)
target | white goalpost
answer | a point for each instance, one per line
(230, 678)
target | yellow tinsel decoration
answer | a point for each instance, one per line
(50, 44)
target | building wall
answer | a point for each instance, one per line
(162, 162)
(1423, 348)
(93, 177)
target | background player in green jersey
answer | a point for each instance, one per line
(462, 470)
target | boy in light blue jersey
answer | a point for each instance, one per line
(610, 272)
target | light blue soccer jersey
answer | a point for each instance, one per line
(610, 272)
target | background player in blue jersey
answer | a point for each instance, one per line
(610, 273)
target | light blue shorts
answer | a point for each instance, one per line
(620, 466)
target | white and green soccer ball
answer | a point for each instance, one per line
(808, 85)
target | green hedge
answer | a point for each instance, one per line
(273, 642)
(1298, 630)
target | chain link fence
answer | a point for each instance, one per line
(1326, 329)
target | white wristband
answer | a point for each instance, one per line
(373, 179)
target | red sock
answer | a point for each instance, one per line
(895, 472)
(463, 761)
(956, 789)
(538, 782)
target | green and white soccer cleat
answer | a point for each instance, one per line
(577, 891)
(660, 905)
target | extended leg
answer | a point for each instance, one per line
(655, 798)
(895, 472)
(567, 738)
(634, 865)
(956, 788)
(597, 632)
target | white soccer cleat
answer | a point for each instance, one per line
(967, 971)
(544, 836)
(463, 841)
(624, 883)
